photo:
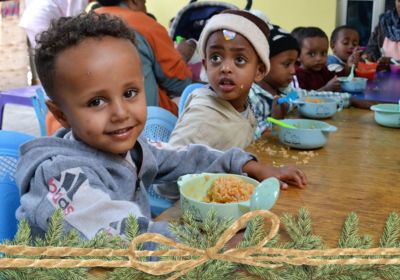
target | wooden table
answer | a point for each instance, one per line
(357, 170)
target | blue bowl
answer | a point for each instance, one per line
(387, 114)
(316, 107)
(308, 134)
(357, 84)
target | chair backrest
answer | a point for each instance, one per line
(159, 124)
(186, 92)
(39, 104)
(9, 192)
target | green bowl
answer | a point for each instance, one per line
(193, 188)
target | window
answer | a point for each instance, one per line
(361, 14)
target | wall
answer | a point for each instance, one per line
(13, 47)
(287, 13)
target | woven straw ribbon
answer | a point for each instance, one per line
(254, 256)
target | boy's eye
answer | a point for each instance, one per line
(215, 58)
(131, 93)
(95, 102)
(312, 54)
(240, 60)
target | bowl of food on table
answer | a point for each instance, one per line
(387, 114)
(317, 107)
(356, 84)
(305, 134)
(366, 70)
(230, 195)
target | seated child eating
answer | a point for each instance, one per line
(344, 43)
(96, 169)
(235, 51)
(313, 72)
(283, 55)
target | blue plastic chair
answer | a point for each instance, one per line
(186, 92)
(9, 192)
(159, 125)
(39, 104)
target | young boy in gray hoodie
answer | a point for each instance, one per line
(98, 166)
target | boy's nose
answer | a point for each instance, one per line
(226, 67)
(119, 112)
(292, 70)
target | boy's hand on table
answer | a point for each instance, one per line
(288, 175)
(278, 111)
(332, 85)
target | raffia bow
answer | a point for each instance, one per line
(255, 256)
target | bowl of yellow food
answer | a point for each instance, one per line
(316, 107)
(230, 195)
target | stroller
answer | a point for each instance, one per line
(191, 19)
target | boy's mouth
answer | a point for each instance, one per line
(226, 84)
(120, 132)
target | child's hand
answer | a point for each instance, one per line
(354, 58)
(332, 85)
(383, 63)
(288, 175)
(186, 48)
(278, 111)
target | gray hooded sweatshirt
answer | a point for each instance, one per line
(97, 190)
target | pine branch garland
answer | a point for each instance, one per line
(55, 230)
(391, 232)
(205, 234)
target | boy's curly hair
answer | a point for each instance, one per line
(70, 31)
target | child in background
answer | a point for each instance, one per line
(98, 167)
(284, 51)
(313, 72)
(235, 51)
(344, 43)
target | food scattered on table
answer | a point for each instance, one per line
(229, 189)
(282, 156)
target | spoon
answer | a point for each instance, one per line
(351, 75)
(367, 61)
(394, 61)
(280, 123)
(264, 197)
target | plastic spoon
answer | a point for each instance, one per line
(367, 61)
(394, 61)
(264, 196)
(351, 75)
(280, 123)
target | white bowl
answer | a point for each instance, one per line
(387, 114)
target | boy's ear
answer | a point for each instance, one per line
(203, 61)
(261, 72)
(57, 113)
